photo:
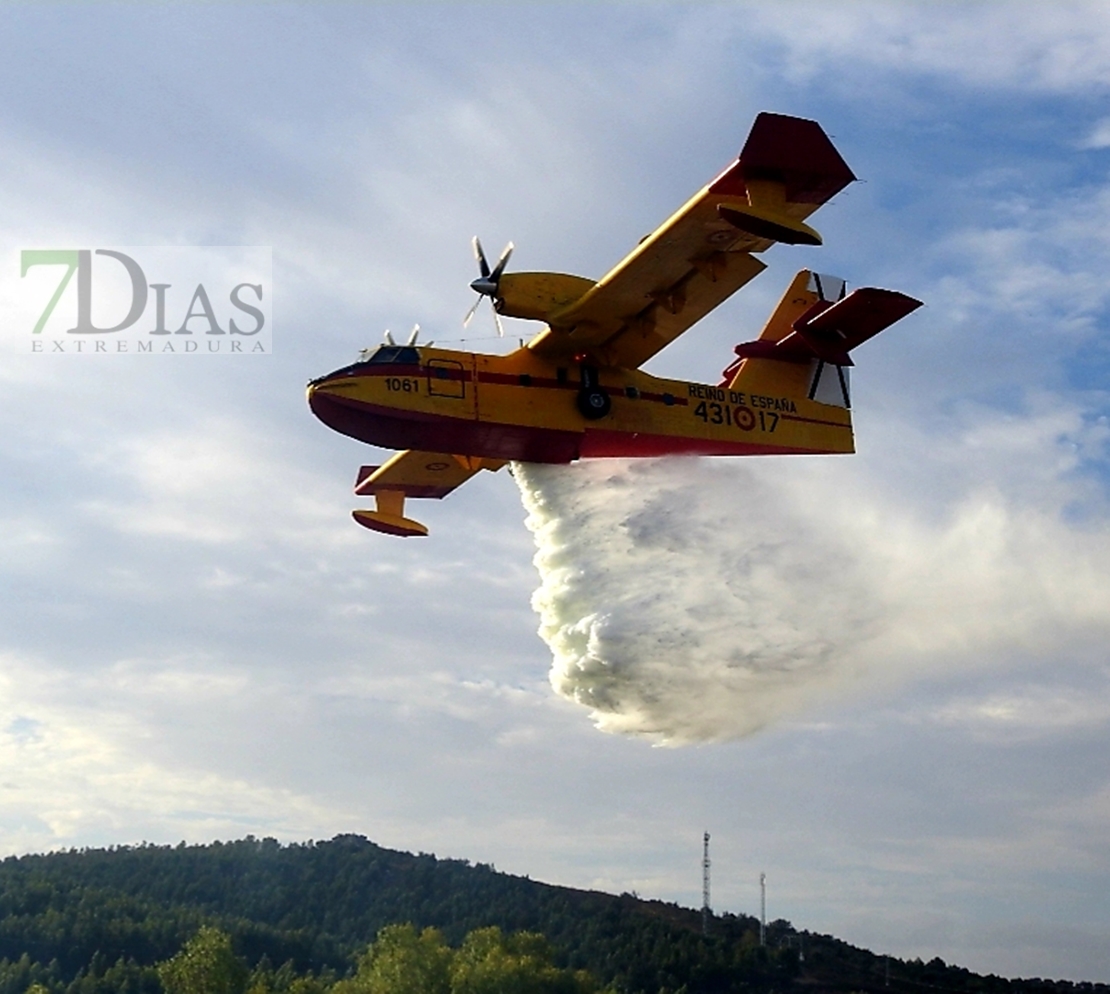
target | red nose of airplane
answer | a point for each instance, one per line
(328, 401)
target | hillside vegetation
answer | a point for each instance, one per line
(301, 918)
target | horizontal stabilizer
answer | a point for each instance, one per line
(834, 330)
(829, 331)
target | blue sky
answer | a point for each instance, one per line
(196, 642)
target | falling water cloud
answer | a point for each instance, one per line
(694, 600)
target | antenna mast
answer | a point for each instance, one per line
(763, 909)
(705, 912)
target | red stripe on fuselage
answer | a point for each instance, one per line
(813, 421)
(602, 444)
(546, 383)
(511, 380)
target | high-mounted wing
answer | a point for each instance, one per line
(412, 474)
(703, 254)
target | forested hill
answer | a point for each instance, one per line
(95, 921)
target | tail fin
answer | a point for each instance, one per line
(806, 290)
(808, 325)
(814, 334)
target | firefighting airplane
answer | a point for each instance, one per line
(576, 390)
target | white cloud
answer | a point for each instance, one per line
(75, 766)
(1022, 46)
(1099, 135)
(1028, 712)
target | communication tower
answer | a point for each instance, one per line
(763, 909)
(705, 912)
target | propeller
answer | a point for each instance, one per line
(486, 283)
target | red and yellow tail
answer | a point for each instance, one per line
(803, 349)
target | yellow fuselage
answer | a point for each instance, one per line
(521, 406)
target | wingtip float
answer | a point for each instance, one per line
(576, 390)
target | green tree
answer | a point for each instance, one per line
(490, 962)
(206, 964)
(402, 961)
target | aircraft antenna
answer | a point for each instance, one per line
(763, 909)
(706, 913)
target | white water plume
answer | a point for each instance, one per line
(692, 600)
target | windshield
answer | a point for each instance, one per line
(402, 354)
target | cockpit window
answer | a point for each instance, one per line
(381, 355)
(404, 355)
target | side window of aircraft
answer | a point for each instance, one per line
(446, 378)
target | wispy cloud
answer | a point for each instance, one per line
(1022, 47)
